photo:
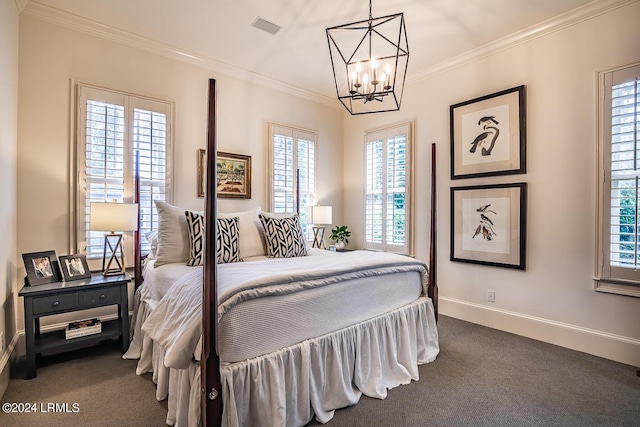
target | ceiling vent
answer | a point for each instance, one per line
(264, 25)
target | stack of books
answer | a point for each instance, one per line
(83, 328)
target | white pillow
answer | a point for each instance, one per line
(173, 235)
(152, 238)
(251, 233)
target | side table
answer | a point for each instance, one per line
(64, 297)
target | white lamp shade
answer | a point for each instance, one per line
(114, 217)
(320, 214)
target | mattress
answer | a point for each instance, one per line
(271, 304)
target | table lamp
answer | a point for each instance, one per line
(113, 217)
(318, 216)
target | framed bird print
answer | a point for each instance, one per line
(488, 135)
(488, 225)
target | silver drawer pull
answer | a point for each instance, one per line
(102, 296)
(56, 303)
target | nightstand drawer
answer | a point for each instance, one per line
(98, 297)
(54, 304)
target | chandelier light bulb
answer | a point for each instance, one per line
(387, 72)
(374, 69)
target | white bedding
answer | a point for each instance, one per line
(358, 338)
(266, 306)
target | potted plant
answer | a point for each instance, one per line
(340, 235)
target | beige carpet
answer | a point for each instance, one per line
(93, 387)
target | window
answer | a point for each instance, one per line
(618, 266)
(112, 127)
(388, 185)
(292, 149)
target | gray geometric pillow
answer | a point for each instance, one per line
(227, 239)
(283, 236)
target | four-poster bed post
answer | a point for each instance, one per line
(210, 361)
(433, 242)
(137, 255)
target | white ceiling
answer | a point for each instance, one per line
(298, 56)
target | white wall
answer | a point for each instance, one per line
(553, 300)
(50, 56)
(8, 140)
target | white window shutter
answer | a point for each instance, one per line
(114, 126)
(388, 189)
(619, 237)
(292, 150)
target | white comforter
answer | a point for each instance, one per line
(175, 323)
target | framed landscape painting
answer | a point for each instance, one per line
(488, 135)
(233, 176)
(488, 225)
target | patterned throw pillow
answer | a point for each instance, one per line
(227, 245)
(283, 236)
(228, 240)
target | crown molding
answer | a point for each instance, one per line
(581, 14)
(65, 19)
(94, 28)
(21, 4)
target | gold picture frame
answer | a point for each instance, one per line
(233, 180)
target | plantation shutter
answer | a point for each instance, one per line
(292, 149)
(112, 127)
(621, 108)
(387, 189)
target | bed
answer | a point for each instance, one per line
(292, 338)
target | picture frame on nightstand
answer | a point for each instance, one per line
(74, 267)
(42, 268)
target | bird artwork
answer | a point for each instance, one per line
(485, 228)
(488, 137)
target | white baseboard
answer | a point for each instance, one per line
(603, 344)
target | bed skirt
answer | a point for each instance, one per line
(314, 377)
(180, 386)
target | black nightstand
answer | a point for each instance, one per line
(64, 297)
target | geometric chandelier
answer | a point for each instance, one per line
(369, 60)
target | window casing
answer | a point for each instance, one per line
(111, 127)
(292, 149)
(388, 178)
(618, 245)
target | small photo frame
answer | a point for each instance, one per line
(42, 267)
(233, 180)
(488, 225)
(74, 267)
(488, 135)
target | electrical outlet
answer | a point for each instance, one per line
(2, 348)
(491, 296)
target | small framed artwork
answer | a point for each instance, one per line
(202, 171)
(488, 224)
(74, 267)
(42, 267)
(233, 176)
(488, 135)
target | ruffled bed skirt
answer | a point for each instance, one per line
(314, 377)
(180, 386)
